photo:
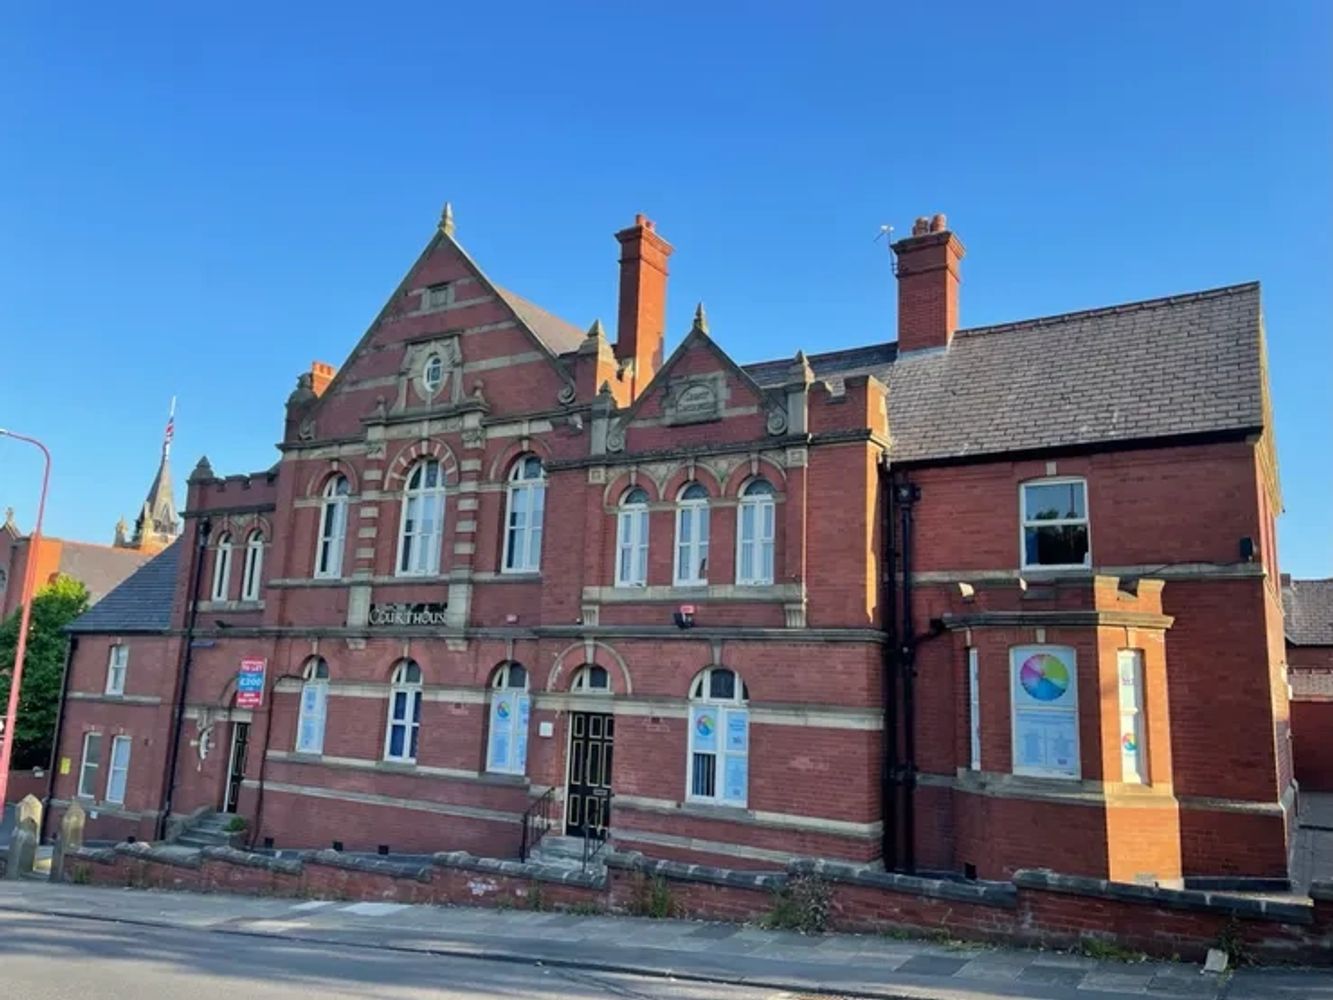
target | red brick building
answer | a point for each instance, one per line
(1309, 617)
(977, 600)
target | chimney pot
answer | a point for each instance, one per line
(938, 223)
(921, 226)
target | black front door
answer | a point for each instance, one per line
(240, 743)
(588, 807)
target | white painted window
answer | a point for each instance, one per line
(332, 528)
(692, 536)
(400, 738)
(116, 665)
(719, 750)
(253, 570)
(526, 504)
(422, 529)
(974, 709)
(432, 375)
(89, 765)
(591, 680)
(1055, 524)
(632, 540)
(222, 568)
(314, 707)
(507, 749)
(119, 772)
(1044, 698)
(755, 517)
(1133, 731)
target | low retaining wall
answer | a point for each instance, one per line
(1038, 908)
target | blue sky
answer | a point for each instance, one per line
(200, 202)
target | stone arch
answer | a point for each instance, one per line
(587, 654)
(318, 479)
(407, 457)
(624, 482)
(685, 473)
(755, 467)
(513, 451)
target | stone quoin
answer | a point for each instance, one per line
(975, 601)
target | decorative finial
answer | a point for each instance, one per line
(597, 330)
(9, 517)
(202, 469)
(605, 390)
(700, 319)
(801, 369)
(447, 220)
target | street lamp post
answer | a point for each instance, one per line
(25, 595)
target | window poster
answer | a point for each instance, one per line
(524, 713)
(738, 726)
(735, 779)
(1044, 693)
(703, 726)
(501, 714)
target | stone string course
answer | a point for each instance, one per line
(1037, 908)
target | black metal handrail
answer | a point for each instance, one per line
(536, 821)
(596, 828)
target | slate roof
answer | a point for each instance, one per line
(140, 604)
(1308, 605)
(558, 335)
(1158, 368)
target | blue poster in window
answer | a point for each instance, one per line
(738, 730)
(703, 725)
(735, 780)
(524, 710)
(501, 714)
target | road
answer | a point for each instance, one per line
(59, 958)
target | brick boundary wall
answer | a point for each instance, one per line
(1037, 908)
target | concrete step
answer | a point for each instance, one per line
(194, 839)
(554, 846)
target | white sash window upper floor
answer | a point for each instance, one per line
(332, 528)
(1055, 524)
(692, 536)
(525, 510)
(632, 539)
(421, 530)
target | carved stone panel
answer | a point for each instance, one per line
(694, 399)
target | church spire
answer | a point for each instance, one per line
(157, 525)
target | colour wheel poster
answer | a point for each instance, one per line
(1045, 704)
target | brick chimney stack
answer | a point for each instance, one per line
(928, 280)
(643, 284)
(321, 374)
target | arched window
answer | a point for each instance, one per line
(314, 707)
(222, 567)
(253, 570)
(332, 528)
(507, 749)
(692, 536)
(422, 527)
(754, 534)
(523, 523)
(400, 737)
(591, 680)
(632, 540)
(719, 764)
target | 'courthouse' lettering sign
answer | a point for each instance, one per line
(407, 614)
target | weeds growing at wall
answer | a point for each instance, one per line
(652, 898)
(801, 905)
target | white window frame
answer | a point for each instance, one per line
(583, 680)
(252, 571)
(727, 712)
(1017, 656)
(332, 529)
(525, 510)
(973, 709)
(632, 539)
(1024, 523)
(88, 770)
(117, 666)
(421, 548)
(222, 567)
(691, 552)
(1134, 764)
(761, 507)
(118, 776)
(314, 705)
(411, 718)
(507, 737)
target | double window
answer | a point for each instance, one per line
(116, 665)
(754, 534)
(1055, 524)
(692, 536)
(632, 539)
(422, 528)
(332, 528)
(401, 734)
(507, 748)
(222, 567)
(253, 571)
(719, 767)
(523, 523)
(314, 707)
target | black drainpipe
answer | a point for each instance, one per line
(183, 678)
(888, 788)
(905, 495)
(72, 645)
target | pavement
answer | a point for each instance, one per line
(669, 953)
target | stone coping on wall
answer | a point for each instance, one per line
(521, 869)
(1250, 907)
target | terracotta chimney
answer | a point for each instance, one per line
(928, 280)
(643, 283)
